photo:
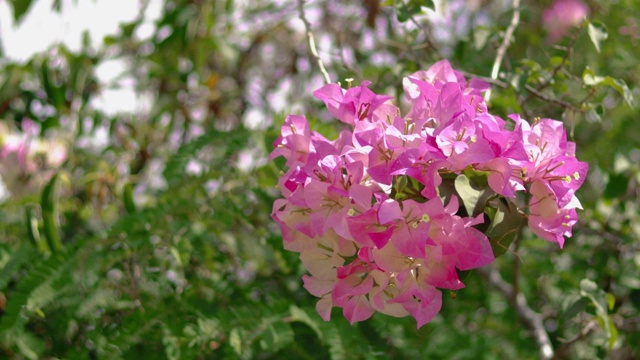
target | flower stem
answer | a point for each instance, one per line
(502, 50)
(312, 42)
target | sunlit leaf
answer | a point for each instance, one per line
(597, 33)
(481, 36)
(590, 79)
(473, 196)
(506, 221)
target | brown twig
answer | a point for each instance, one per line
(544, 97)
(502, 50)
(562, 64)
(565, 344)
(530, 318)
(497, 82)
(429, 40)
(312, 42)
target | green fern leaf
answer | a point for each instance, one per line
(24, 254)
(43, 283)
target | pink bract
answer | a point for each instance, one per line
(562, 15)
(373, 245)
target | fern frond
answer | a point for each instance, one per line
(42, 284)
(24, 254)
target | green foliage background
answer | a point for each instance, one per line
(97, 263)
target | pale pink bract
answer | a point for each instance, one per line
(367, 213)
(561, 16)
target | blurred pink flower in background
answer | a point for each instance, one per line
(26, 160)
(562, 16)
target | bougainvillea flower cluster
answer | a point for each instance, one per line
(372, 213)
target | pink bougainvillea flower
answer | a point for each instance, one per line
(366, 210)
(356, 103)
(420, 299)
(294, 141)
(561, 16)
(546, 219)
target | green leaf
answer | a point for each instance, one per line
(225, 144)
(600, 301)
(481, 37)
(56, 5)
(588, 287)
(297, 314)
(557, 61)
(506, 221)
(518, 81)
(50, 214)
(611, 301)
(405, 9)
(428, 4)
(32, 230)
(406, 187)
(54, 93)
(277, 335)
(131, 332)
(10, 79)
(599, 109)
(171, 345)
(110, 40)
(127, 197)
(597, 33)
(590, 79)
(572, 305)
(20, 8)
(616, 186)
(473, 196)
(43, 283)
(613, 333)
(22, 255)
(235, 340)
(29, 346)
(531, 64)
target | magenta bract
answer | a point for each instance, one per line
(367, 211)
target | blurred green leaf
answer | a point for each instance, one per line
(20, 8)
(611, 301)
(600, 301)
(235, 340)
(21, 256)
(405, 9)
(276, 336)
(617, 185)
(481, 36)
(171, 345)
(597, 33)
(506, 221)
(590, 79)
(127, 196)
(32, 231)
(573, 304)
(50, 214)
